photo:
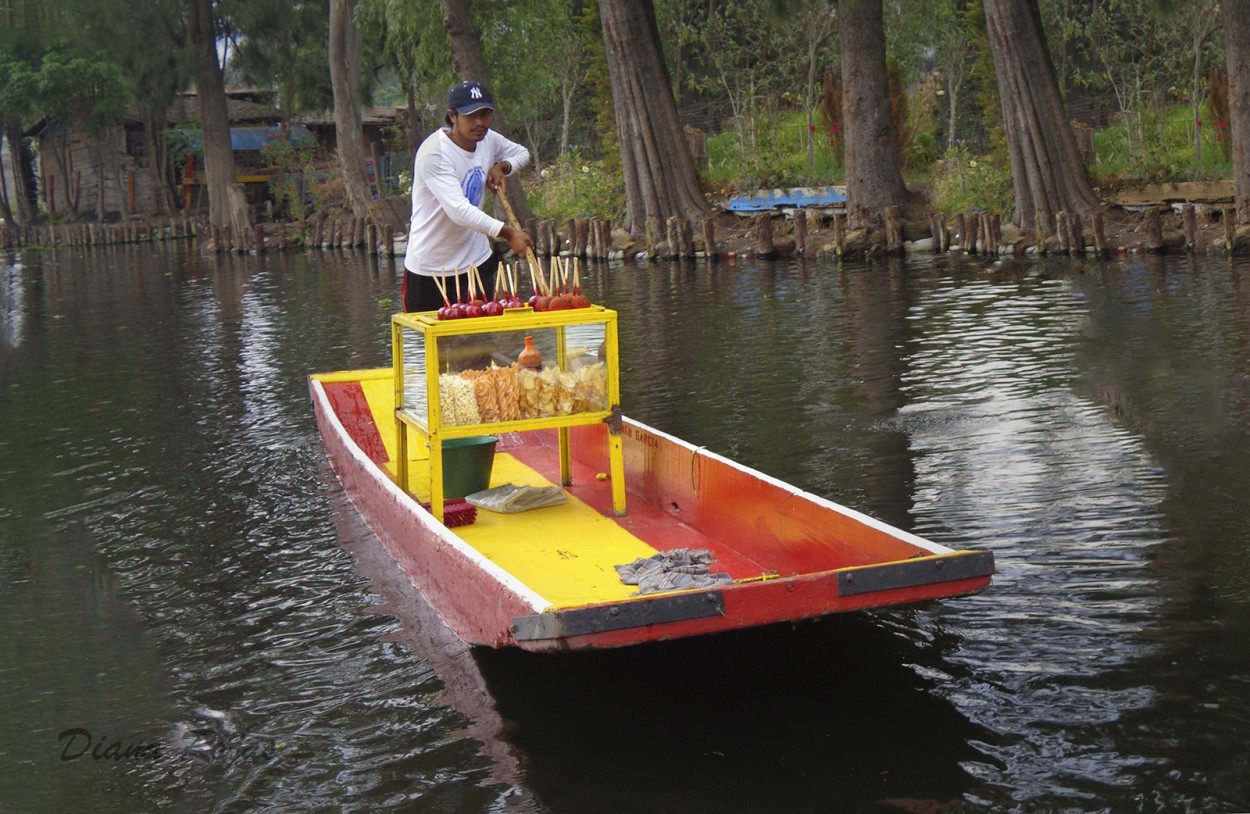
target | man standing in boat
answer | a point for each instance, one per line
(454, 168)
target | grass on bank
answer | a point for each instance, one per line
(774, 154)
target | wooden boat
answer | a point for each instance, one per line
(547, 579)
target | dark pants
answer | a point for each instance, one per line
(421, 292)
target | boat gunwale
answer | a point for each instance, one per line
(902, 535)
(427, 519)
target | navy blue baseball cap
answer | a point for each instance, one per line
(469, 97)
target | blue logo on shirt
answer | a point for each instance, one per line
(475, 186)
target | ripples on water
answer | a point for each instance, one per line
(175, 550)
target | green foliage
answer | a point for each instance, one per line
(575, 187)
(19, 86)
(1163, 151)
(291, 165)
(78, 90)
(409, 39)
(779, 161)
(286, 45)
(963, 182)
(743, 72)
(299, 187)
(987, 127)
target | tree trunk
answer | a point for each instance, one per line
(1237, 54)
(1045, 163)
(874, 179)
(158, 164)
(6, 212)
(61, 163)
(227, 205)
(660, 179)
(348, 122)
(21, 197)
(414, 134)
(470, 65)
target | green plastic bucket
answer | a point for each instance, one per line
(467, 463)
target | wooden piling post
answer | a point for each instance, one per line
(839, 233)
(605, 239)
(1065, 235)
(893, 230)
(580, 234)
(1099, 233)
(800, 233)
(673, 232)
(941, 241)
(1154, 230)
(653, 236)
(551, 238)
(1191, 226)
(973, 222)
(1074, 230)
(709, 238)
(764, 234)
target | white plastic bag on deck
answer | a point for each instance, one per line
(510, 498)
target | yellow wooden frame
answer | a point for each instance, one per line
(432, 329)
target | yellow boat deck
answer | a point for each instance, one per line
(566, 553)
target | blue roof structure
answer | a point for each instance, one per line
(244, 139)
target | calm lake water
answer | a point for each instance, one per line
(192, 617)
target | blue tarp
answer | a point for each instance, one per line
(243, 139)
(794, 198)
(254, 138)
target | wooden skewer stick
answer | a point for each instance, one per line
(516, 224)
(442, 288)
(533, 281)
(481, 286)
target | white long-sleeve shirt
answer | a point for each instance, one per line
(449, 231)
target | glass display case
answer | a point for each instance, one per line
(517, 371)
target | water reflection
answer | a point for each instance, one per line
(166, 514)
(819, 717)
